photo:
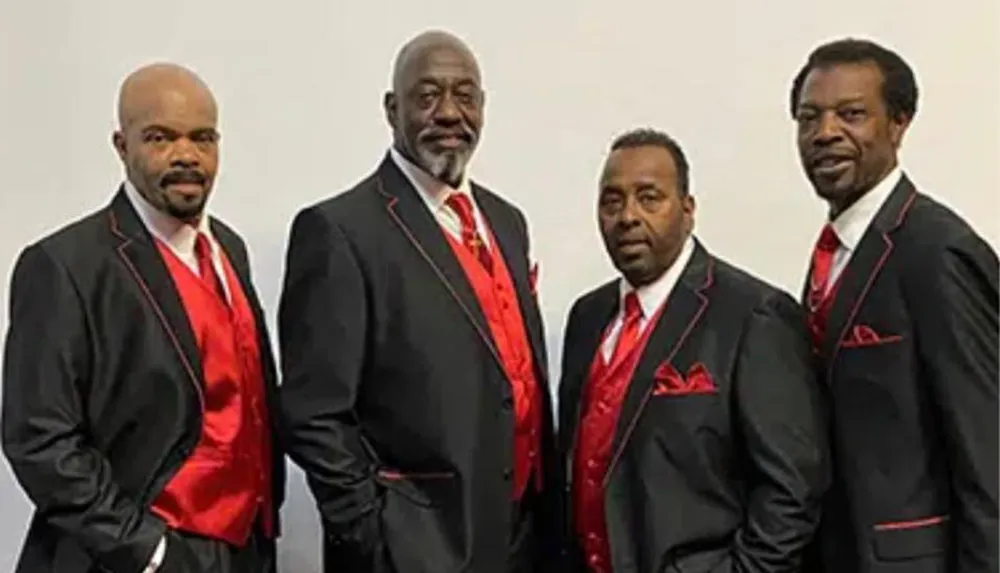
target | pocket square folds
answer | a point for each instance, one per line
(864, 335)
(670, 382)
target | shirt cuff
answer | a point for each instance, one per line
(158, 554)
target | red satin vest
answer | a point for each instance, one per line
(225, 484)
(498, 299)
(602, 399)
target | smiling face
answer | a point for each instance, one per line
(436, 106)
(644, 218)
(847, 138)
(168, 140)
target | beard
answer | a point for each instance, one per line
(447, 166)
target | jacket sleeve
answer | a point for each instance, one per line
(783, 424)
(955, 314)
(323, 327)
(46, 364)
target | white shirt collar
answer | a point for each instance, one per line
(433, 191)
(176, 233)
(851, 225)
(652, 296)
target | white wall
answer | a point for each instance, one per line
(300, 85)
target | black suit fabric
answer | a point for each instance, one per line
(724, 481)
(910, 362)
(396, 402)
(101, 379)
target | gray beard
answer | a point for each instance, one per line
(447, 167)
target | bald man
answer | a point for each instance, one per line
(137, 376)
(414, 388)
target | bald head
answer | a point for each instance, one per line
(167, 138)
(435, 107)
(416, 51)
(145, 89)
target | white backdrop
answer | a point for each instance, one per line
(300, 84)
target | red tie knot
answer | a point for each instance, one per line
(631, 307)
(202, 246)
(828, 240)
(462, 205)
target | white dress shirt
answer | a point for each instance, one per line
(435, 192)
(179, 238)
(176, 234)
(851, 225)
(651, 297)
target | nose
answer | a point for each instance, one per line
(630, 213)
(184, 153)
(827, 130)
(447, 111)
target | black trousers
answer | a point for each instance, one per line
(523, 544)
(189, 553)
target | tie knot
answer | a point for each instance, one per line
(632, 310)
(202, 247)
(828, 240)
(462, 206)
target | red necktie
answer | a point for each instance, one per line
(203, 252)
(628, 336)
(470, 236)
(822, 261)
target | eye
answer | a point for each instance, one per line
(853, 114)
(154, 137)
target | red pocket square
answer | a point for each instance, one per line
(669, 381)
(533, 279)
(864, 335)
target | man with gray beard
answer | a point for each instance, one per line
(415, 392)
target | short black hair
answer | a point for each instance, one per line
(647, 136)
(899, 86)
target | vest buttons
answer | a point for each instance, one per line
(508, 403)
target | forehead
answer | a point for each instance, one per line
(176, 108)
(632, 166)
(831, 84)
(441, 64)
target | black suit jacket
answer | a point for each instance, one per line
(729, 481)
(396, 402)
(100, 389)
(910, 360)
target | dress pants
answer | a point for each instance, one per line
(190, 553)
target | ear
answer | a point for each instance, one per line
(391, 109)
(897, 129)
(689, 207)
(118, 140)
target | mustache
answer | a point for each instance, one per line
(433, 133)
(182, 176)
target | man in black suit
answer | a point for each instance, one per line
(690, 417)
(415, 390)
(137, 374)
(903, 308)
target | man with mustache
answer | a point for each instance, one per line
(902, 297)
(414, 392)
(691, 422)
(137, 377)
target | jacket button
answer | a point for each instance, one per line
(508, 403)
(507, 474)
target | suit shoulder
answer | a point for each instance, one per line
(594, 297)
(77, 237)
(933, 220)
(345, 206)
(930, 228)
(739, 286)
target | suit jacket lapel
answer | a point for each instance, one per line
(142, 259)
(577, 364)
(505, 231)
(684, 308)
(408, 211)
(864, 266)
(240, 266)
